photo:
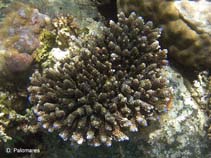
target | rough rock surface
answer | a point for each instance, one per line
(80, 9)
(182, 128)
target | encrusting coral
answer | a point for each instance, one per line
(110, 84)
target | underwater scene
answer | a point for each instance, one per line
(105, 79)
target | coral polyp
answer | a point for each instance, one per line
(112, 84)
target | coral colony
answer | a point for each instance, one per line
(68, 75)
(106, 87)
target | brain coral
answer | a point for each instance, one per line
(115, 84)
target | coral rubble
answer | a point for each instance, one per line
(111, 84)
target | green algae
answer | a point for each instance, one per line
(48, 40)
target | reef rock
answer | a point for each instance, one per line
(80, 9)
(182, 131)
(18, 62)
(20, 31)
(201, 92)
(21, 27)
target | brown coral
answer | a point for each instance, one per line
(115, 83)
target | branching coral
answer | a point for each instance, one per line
(112, 84)
(47, 41)
(62, 28)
